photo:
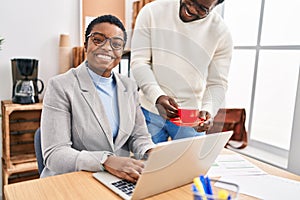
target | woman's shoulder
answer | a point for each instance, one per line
(128, 82)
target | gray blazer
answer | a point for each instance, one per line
(75, 132)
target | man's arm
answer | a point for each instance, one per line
(141, 57)
(217, 79)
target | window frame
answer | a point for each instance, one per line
(288, 161)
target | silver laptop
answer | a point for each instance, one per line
(170, 165)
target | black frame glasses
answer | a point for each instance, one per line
(99, 39)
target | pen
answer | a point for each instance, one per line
(196, 193)
(208, 186)
(223, 195)
(202, 179)
(199, 187)
(194, 188)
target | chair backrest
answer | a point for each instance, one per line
(126, 55)
(38, 150)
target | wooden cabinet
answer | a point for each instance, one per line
(19, 123)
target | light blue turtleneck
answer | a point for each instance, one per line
(107, 91)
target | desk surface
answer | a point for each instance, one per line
(81, 185)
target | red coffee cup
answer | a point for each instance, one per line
(188, 115)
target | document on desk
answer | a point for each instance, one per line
(233, 165)
(267, 187)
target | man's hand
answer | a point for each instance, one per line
(124, 167)
(206, 121)
(167, 107)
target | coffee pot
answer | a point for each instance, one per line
(25, 81)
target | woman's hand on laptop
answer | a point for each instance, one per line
(124, 167)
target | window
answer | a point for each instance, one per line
(265, 66)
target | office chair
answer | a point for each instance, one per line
(126, 55)
(38, 150)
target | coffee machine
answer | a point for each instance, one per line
(25, 81)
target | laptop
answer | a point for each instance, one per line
(170, 165)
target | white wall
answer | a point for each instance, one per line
(31, 29)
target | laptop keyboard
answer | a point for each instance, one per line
(125, 186)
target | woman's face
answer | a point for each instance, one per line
(104, 48)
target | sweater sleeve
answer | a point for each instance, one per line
(141, 56)
(217, 80)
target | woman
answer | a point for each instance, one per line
(91, 117)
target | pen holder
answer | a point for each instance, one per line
(221, 191)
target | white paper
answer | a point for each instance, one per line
(233, 164)
(267, 187)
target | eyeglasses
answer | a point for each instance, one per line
(99, 39)
(202, 11)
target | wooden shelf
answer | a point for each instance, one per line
(22, 167)
(19, 123)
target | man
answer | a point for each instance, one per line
(181, 53)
